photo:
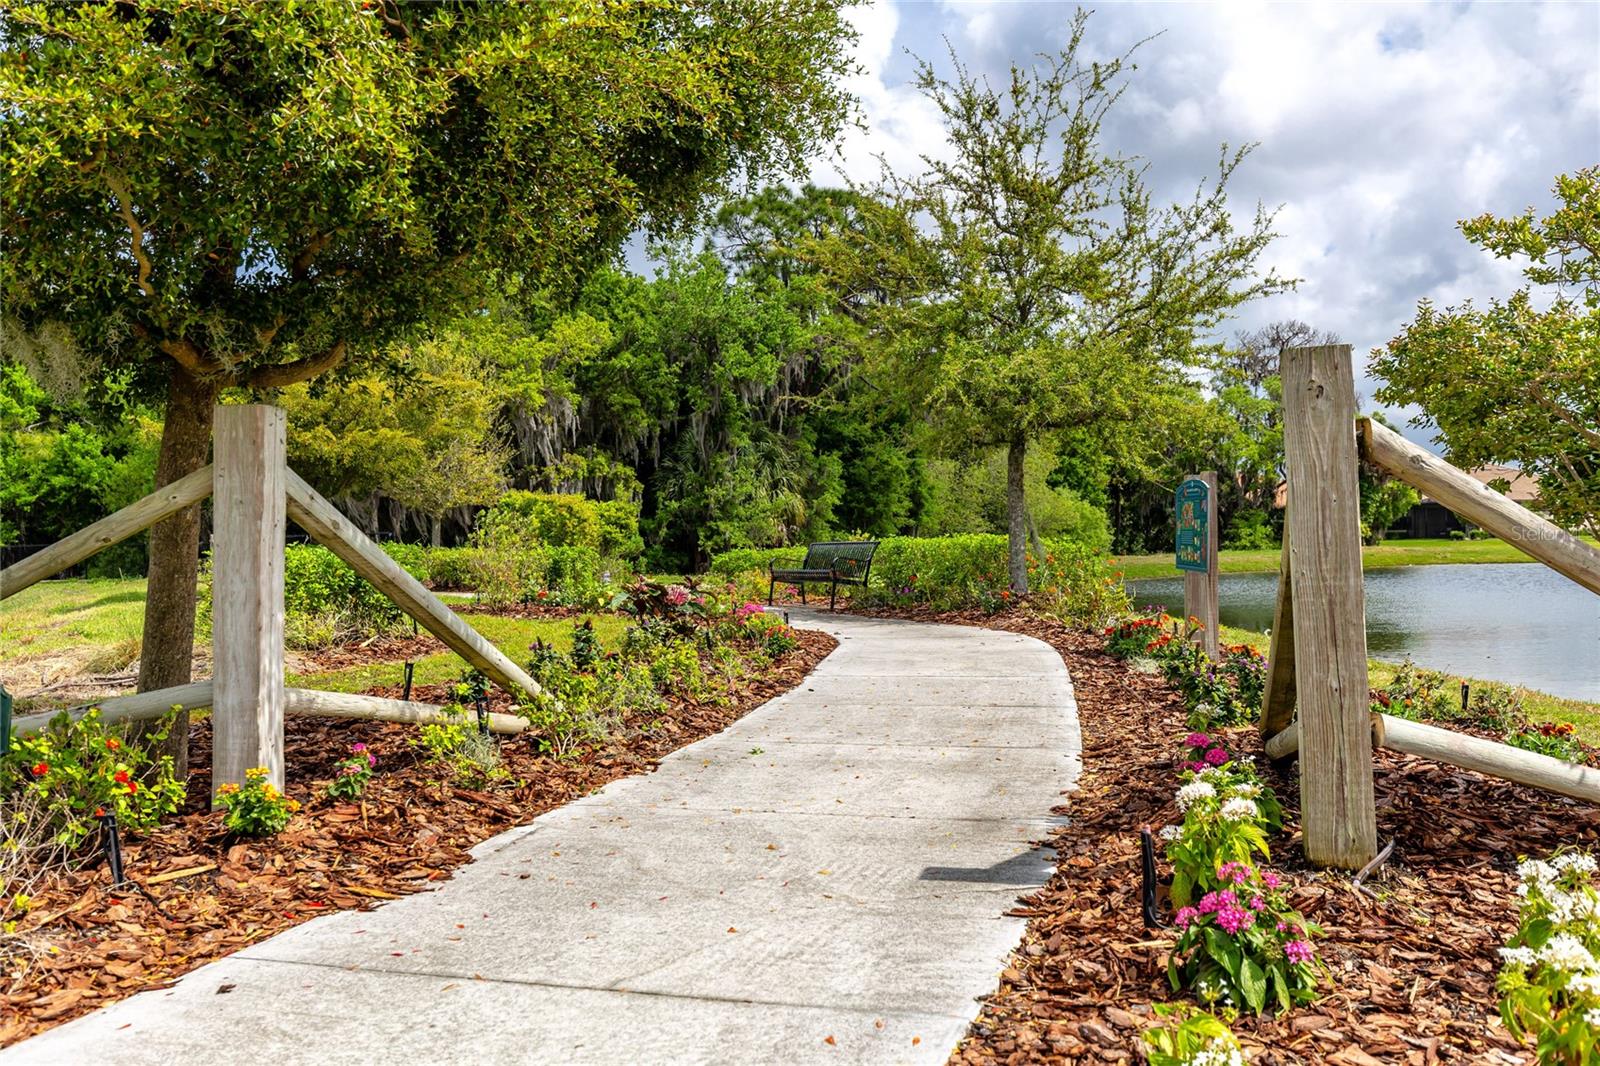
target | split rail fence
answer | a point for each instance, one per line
(1318, 657)
(254, 492)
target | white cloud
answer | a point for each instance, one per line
(1380, 127)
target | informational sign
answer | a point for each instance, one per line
(1193, 507)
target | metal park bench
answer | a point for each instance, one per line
(837, 562)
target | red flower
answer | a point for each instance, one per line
(133, 786)
(112, 743)
(121, 777)
(99, 812)
(40, 769)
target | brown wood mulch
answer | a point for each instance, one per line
(210, 894)
(1412, 961)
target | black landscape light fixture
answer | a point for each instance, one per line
(113, 847)
(411, 669)
(482, 702)
(1147, 862)
(5, 720)
(1465, 695)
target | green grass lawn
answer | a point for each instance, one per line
(92, 623)
(1541, 706)
(1393, 553)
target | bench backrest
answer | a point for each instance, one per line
(847, 558)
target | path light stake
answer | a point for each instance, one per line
(1147, 862)
(482, 701)
(785, 617)
(113, 848)
(411, 668)
(5, 720)
(1464, 693)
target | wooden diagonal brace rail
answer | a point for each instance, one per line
(112, 529)
(1477, 502)
(335, 532)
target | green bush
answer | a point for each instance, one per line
(1250, 529)
(323, 599)
(731, 564)
(619, 529)
(553, 518)
(450, 568)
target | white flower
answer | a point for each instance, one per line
(1247, 790)
(1580, 861)
(1566, 952)
(1585, 984)
(1214, 773)
(1193, 792)
(1217, 1054)
(1518, 956)
(1535, 872)
(1204, 711)
(1240, 810)
(1591, 1017)
(1171, 832)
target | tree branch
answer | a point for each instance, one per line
(280, 374)
(119, 189)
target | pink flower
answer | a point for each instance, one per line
(1185, 915)
(1235, 919)
(1194, 767)
(677, 595)
(1214, 902)
(1298, 951)
(372, 760)
(1197, 740)
(1283, 927)
(1271, 880)
(358, 747)
(1237, 872)
(1257, 903)
(1216, 756)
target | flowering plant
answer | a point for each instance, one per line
(1138, 636)
(1556, 739)
(1243, 945)
(1227, 814)
(1550, 981)
(255, 808)
(352, 773)
(75, 770)
(1198, 1039)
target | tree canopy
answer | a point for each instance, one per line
(1033, 284)
(1512, 382)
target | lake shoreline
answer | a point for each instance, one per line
(1376, 556)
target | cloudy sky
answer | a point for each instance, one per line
(1379, 126)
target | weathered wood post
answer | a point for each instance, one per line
(1330, 635)
(247, 593)
(1277, 703)
(1196, 509)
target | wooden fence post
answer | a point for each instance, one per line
(1330, 637)
(247, 593)
(1277, 705)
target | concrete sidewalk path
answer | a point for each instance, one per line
(835, 865)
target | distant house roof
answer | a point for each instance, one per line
(1524, 487)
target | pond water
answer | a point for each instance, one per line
(1520, 623)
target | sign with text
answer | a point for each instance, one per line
(1193, 506)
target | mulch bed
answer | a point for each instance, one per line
(210, 894)
(1413, 960)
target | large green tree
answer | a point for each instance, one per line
(1031, 282)
(1516, 382)
(224, 193)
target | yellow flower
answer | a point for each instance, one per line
(228, 789)
(256, 772)
(293, 805)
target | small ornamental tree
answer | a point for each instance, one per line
(1026, 282)
(221, 194)
(1516, 382)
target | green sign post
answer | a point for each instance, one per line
(1195, 511)
(1193, 508)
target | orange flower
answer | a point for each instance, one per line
(40, 769)
(120, 777)
(112, 743)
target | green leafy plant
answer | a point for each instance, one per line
(255, 808)
(353, 773)
(585, 645)
(1557, 739)
(75, 770)
(457, 746)
(1243, 946)
(1191, 1038)
(1227, 814)
(1549, 982)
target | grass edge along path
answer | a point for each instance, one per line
(1375, 556)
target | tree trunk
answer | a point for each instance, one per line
(437, 529)
(167, 651)
(1017, 518)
